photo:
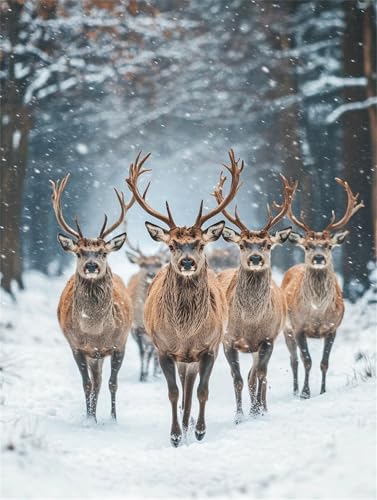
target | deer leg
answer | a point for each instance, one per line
(95, 366)
(328, 343)
(264, 355)
(168, 368)
(292, 348)
(82, 364)
(307, 361)
(138, 336)
(191, 373)
(206, 362)
(231, 355)
(252, 381)
(148, 356)
(182, 368)
(116, 363)
(156, 363)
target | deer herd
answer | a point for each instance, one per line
(180, 311)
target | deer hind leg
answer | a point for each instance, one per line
(264, 355)
(156, 363)
(191, 373)
(95, 367)
(137, 334)
(231, 355)
(252, 381)
(307, 361)
(206, 362)
(148, 353)
(292, 348)
(328, 343)
(116, 363)
(168, 368)
(82, 364)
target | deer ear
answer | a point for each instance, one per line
(116, 243)
(157, 233)
(230, 235)
(296, 238)
(281, 236)
(67, 244)
(132, 258)
(213, 233)
(339, 237)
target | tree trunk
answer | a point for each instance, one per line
(357, 251)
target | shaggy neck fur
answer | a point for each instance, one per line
(253, 289)
(318, 286)
(187, 300)
(92, 303)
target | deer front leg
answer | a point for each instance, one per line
(206, 362)
(307, 361)
(231, 355)
(95, 366)
(82, 364)
(138, 336)
(264, 355)
(168, 368)
(328, 343)
(292, 348)
(116, 363)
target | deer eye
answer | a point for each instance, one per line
(242, 247)
(268, 246)
(171, 247)
(201, 246)
(78, 255)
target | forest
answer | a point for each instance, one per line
(86, 85)
(281, 96)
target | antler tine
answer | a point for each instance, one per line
(218, 194)
(289, 190)
(352, 207)
(235, 171)
(135, 172)
(57, 191)
(123, 209)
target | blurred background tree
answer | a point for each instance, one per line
(84, 85)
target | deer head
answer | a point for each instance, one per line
(91, 252)
(151, 264)
(255, 246)
(318, 245)
(186, 244)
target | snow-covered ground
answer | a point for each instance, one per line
(320, 448)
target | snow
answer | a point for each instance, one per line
(318, 448)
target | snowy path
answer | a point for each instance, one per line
(321, 448)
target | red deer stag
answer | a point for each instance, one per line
(257, 306)
(314, 297)
(95, 310)
(185, 312)
(138, 287)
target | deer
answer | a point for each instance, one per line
(138, 287)
(185, 312)
(95, 310)
(257, 306)
(314, 296)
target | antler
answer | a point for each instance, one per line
(135, 172)
(134, 248)
(218, 194)
(57, 191)
(289, 190)
(235, 171)
(124, 207)
(352, 207)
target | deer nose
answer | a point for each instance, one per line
(319, 259)
(255, 259)
(91, 267)
(187, 263)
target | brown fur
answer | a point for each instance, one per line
(95, 317)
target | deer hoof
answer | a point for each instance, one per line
(305, 395)
(175, 440)
(200, 435)
(238, 418)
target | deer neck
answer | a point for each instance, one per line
(319, 286)
(92, 303)
(252, 292)
(187, 299)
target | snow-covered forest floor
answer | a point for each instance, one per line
(320, 448)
